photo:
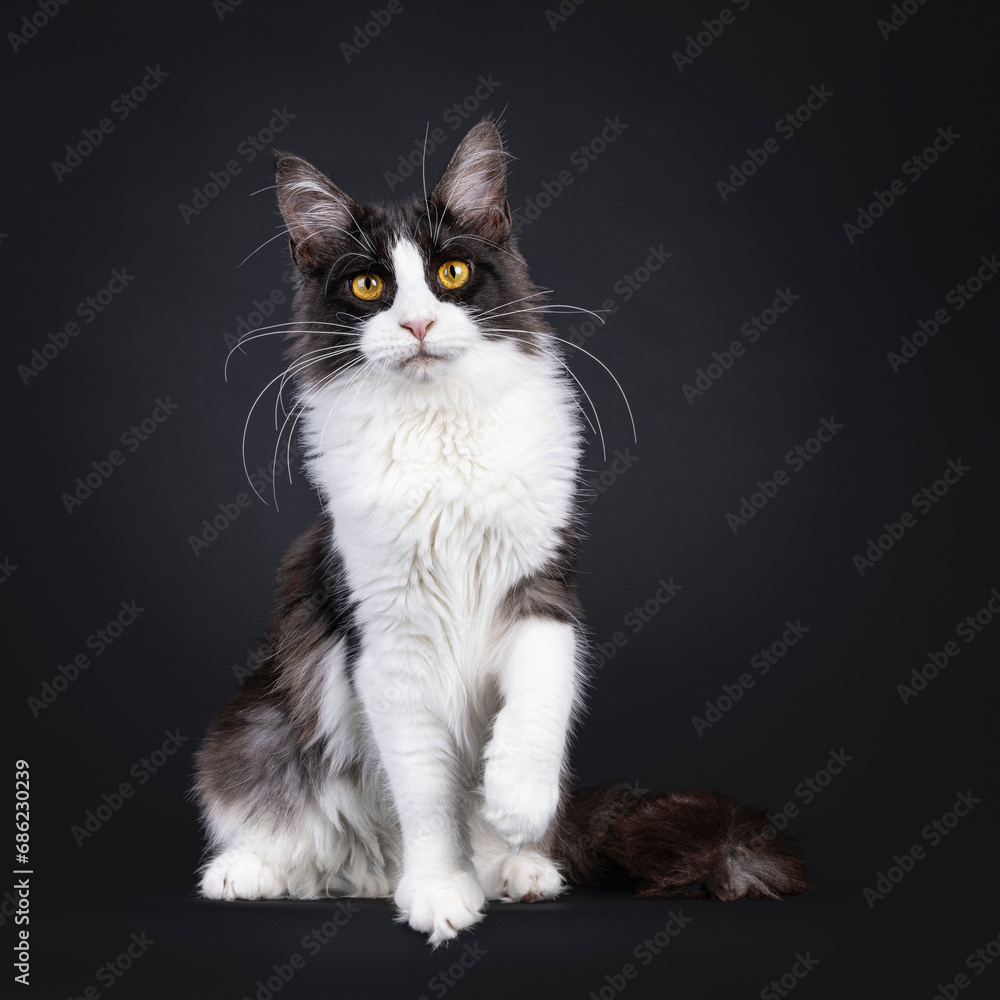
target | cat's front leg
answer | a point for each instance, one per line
(524, 758)
(438, 893)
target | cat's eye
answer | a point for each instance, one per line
(367, 286)
(453, 273)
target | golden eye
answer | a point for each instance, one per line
(453, 274)
(367, 286)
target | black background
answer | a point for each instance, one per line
(664, 517)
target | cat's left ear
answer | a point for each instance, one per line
(474, 186)
(318, 214)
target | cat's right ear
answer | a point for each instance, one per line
(317, 213)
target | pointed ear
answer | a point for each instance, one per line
(317, 213)
(474, 187)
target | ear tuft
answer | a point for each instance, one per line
(316, 212)
(474, 186)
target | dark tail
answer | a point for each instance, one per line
(692, 844)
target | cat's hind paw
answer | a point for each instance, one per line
(239, 874)
(440, 905)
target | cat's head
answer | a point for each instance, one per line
(413, 288)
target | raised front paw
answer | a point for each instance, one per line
(520, 799)
(440, 905)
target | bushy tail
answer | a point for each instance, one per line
(692, 844)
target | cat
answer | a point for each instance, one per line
(407, 732)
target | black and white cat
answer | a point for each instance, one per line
(407, 734)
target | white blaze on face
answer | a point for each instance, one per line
(391, 334)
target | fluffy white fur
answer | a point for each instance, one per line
(448, 479)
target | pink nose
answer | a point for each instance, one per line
(419, 327)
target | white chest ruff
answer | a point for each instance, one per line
(444, 497)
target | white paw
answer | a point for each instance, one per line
(241, 875)
(520, 799)
(440, 905)
(527, 877)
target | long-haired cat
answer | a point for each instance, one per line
(407, 733)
